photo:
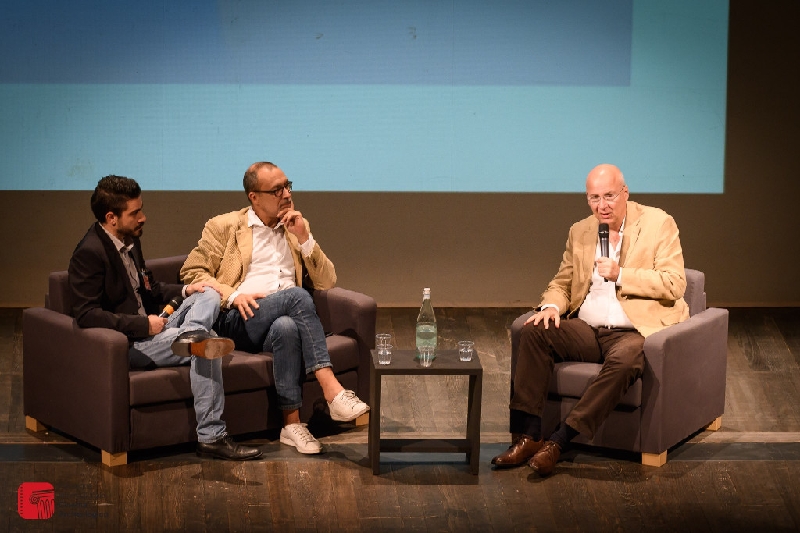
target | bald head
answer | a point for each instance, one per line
(607, 195)
(605, 175)
(250, 180)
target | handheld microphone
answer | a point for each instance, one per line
(171, 307)
(602, 231)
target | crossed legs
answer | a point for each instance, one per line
(197, 313)
(283, 339)
(619, 351)
(286, 324)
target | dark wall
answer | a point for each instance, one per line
(501, 249)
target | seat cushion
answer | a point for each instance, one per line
(572, 379)
(241, 371)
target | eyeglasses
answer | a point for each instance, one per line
(610, 197)
(278, 191)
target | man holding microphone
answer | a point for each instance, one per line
(112, 288)
(621, 279)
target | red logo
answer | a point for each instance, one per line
(36, 500)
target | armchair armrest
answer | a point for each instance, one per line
(353, 314)
(75, 379)
(683, 386)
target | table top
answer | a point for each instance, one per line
(446, 363)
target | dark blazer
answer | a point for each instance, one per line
(102, 294)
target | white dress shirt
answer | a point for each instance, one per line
(130, 266)
(601, 308)
(272, 267)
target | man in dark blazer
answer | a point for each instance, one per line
(112, 288)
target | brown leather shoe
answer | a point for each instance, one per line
(520, 451)
(546, 458)
(201, 344)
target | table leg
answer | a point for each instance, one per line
(374, 438)
(474, 421)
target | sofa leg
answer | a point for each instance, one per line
(114, 459)
(715, 425)
(34, 425)
(654, 459)
(363, 420)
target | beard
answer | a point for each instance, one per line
(133, 232)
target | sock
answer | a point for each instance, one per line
(563, 435)
(526, 423)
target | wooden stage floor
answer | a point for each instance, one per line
(744, 477)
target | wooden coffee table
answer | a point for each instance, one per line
(445, 364)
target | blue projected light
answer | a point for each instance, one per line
(580, 42)
(364, 96)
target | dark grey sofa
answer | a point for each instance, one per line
(78, 381)
(682, 389)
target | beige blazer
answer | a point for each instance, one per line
(651, 262)
(225, 251)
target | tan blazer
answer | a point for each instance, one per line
(225, 251)
(651, 262)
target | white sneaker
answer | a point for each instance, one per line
(300, 437)
(346, 406)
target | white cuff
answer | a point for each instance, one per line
(554, 306)
(307, 247)
(232, 297)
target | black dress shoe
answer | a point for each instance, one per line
(521, 449)
(225, 448)
(201, 344)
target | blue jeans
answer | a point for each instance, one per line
(197, 313)
(286, 324)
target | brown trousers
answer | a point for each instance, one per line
(620, 351)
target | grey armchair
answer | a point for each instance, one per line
(681, 391)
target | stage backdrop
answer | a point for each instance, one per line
(379, 95)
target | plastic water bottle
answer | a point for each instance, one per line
(426, 324)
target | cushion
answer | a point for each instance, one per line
(241, 371)
(573, 377)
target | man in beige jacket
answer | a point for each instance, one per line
(258, 259)
(608, 304)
